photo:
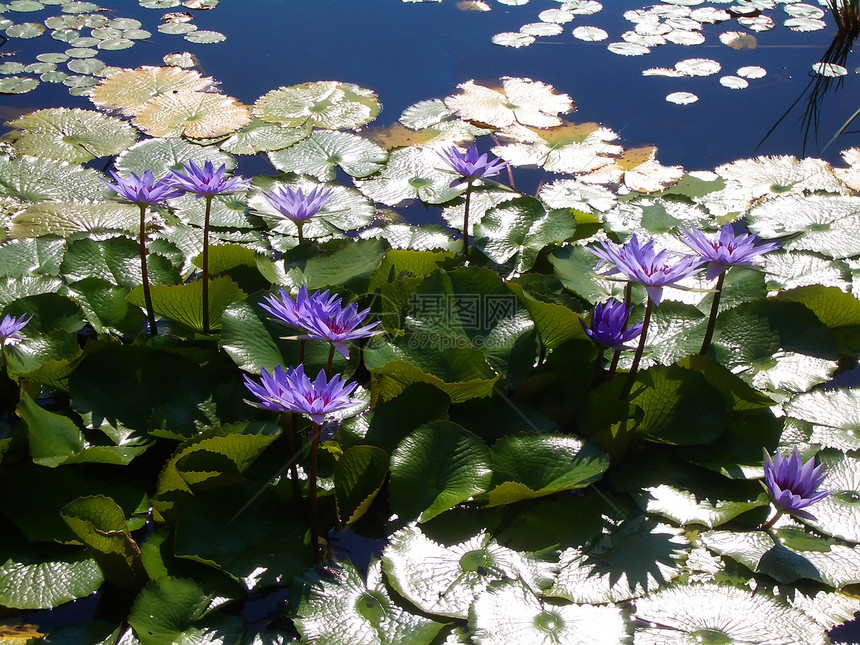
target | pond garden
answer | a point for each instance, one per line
(280, 366)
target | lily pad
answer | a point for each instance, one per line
(320, 154)
(66, 218)
(129, 89)
(325, 104)
(162, 155)
(519, 100)
(72, 135)
(196, 115)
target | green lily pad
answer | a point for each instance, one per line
(205, 37)
(325, 104)
(337, 606)
(411, 173)
(435, 468)
(25, 30)
(35, 179)
(17, 85)
(259, 136)
(320, 154)
(358, 478)
(183, 303)
(162, 155)
(30, 583)
(72, 135)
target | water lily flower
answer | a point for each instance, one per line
(142, 190)
(470, 166)
(641, 263)
(343, 325)
(608, 325)
(294, 205)
(206, 181)
(296, 312)
(792, 484)
(291, 391)
(727, 249)
(9, 328)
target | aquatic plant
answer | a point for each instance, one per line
(506, 488)
(793, 485)
(296, 206)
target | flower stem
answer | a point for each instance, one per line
(628, 296)
(771, 521)
(631, 376)
(208, 199)
(312, 492)
(299, 227)
(330, 359)
(466, 221)
(287, 424)
(597, 379)
(144, 272)
(712, 321)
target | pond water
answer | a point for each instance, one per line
(407, 52)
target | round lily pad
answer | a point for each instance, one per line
(79, 7)
(81, 52)
(325, 104)
(11, 67)
(52, 58)
(25, 5)
(198, 115)
(85, 65)
(205, 37)
(25, 30)
(17, 85)
(129, 89)
(512, 39)
(115, 44)
(184, 60)
(175, 28)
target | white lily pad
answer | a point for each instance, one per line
(512, 39)
(698, 66)
(590, 34)
(830, 70)
(511, 614)
(757, 23)
(833, 415)
(162, 155)
(205, 37)
(519, 100)
(320, 154)
(752, 72)
(259, 136)
(25, 30)
(36, 179)
(734, 82)
(65, 218)
(684, 37)
(411, 173)
(628, 49)
(446, 579)
(805, 24)
(539, 29)
(838, 514)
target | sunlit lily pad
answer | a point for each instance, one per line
(590, 34)
(337, 606)
(65, 218)
(628, 49)
(542, 29)
(161, 155)
(738, 40)
(722, 614)
(572, 148)
(698, 66)
(805, 24)
(25, 30)
(509, 614)
(72, 135)
(325, 104)
(829, 69)
(196, 115)
(519, 100)
(259, 136)
(752, 71)
(411, 173)
(734, 82)
(838, 514)
(34, 179)
(446, 579)
(321, 153)
(185, 60)
(17, 85)
(512, 39)
(205, 37)
(129, 89)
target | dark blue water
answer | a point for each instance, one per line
(408, 52)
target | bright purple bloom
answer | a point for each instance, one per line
(297, 312)
(792, 485)
(142, 190)
(470, 166)
(340, 326)
(640, 263)
(206, 181)
(9, 328)
(727, 250)
(291, 391)
(296, 206)
(608, 324)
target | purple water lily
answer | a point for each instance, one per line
(206, 181)
(296, 313)
(9, 328)
(727, 249)
(142, 190)
(608, 325)
(291, 391)
(470, 165)
(342, 325)
(641, 263)
(294, 205)
(792, 484)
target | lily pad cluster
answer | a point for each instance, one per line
(86, 34)
(674, 22)
(510, 494)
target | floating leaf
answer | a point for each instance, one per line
(72, 135)
(196, 115)
(17, 85)
(590, 34)
(320, 154)
(31, 583)
(520, 100)
(414, 172)
(129, 89)
(682, 98)
(338, 607)
(65, 218)
(163, 155)
(446, 579)
(35, 179)
(205, 37)
(358, 478)
(184, 303)
(25, 30)
(513, 39)
(259, 136)
(510, 613)
(325, 104)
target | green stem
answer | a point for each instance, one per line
(330, 359)
(466, 221)
(287, 424)
(771, 521)
(144, 272)
(631, 376)
(206, 264)
(299, 227)
(712, 321)
(312, 493)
